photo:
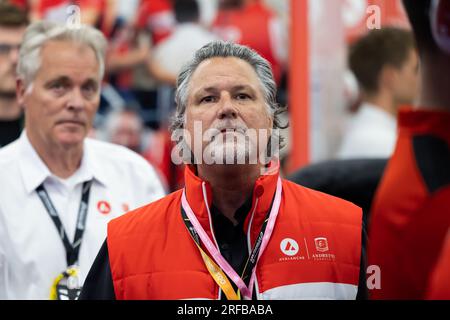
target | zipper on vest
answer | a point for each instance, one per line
(205, 199)
(249, 245)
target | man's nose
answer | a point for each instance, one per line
(11, 52)
(14, 55)
(227, 109)
(76, 100)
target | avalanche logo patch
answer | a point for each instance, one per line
(289, 247)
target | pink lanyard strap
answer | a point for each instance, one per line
(217, 256)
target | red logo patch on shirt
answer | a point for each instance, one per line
(104, 207)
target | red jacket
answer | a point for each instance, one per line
(152, 255)
(439, 287)
(411, 211)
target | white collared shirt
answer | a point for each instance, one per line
(372, 133)
(31, 251)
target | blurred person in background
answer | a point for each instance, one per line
(157, 17)
(13, 22)
(96, 13)
(386, 64)
(252, 23)
(154, 22)
(128, 51)
(21, 4)
(53, 176)
(125, 128)
(411, 211)
(188, 36)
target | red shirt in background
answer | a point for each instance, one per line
(251, 26)
(46, 7)
(159, 155)
(156, 16)
(56, 10)
(22, 4)
(411, 211)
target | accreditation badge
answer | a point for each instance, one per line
(66, 285)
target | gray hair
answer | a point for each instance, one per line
(39, 33)
(228, 49)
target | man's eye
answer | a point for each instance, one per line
(208, 99)
(242, 96)
(90, 90)
(58, 87)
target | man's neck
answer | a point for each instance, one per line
(231, 185)
(9, 108)
(383, 101)
(61, 161)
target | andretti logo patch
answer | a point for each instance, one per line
(322, 250)
(321, 244)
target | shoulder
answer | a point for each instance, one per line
(116, 163)
(10, 149)
(321, 205)
(152, 215)
(432, 155)
(9, 154)
(116, 154)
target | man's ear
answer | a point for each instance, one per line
(20, 92)
(270, 120)
(388, 77)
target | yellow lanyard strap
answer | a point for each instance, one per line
(219, 277)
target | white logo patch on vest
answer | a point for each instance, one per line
(289, 247)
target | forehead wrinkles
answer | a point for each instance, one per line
(79, 61)
(228, 72)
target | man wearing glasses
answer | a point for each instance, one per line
(13, 22)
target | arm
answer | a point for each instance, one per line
(160, 73)
(119, 61)
(99, 284)
(136, 55)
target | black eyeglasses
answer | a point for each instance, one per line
(6, 48)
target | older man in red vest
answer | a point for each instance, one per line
(236, 230)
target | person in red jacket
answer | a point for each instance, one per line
(236, 230)
(157, 17)
(439, 286)
(252, 23)
(411, 213)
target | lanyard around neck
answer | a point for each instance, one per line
(72, 250)
(220, 265)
